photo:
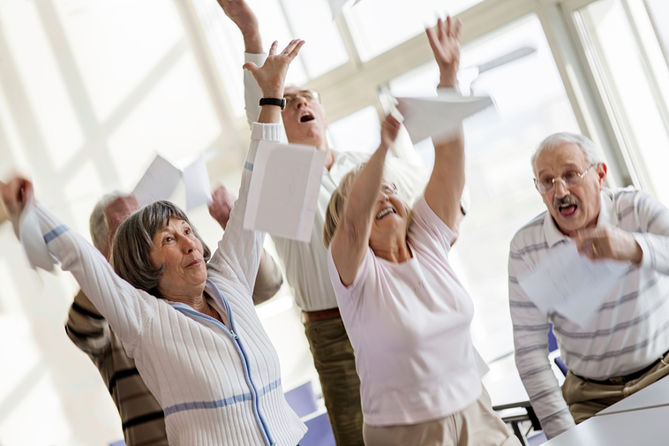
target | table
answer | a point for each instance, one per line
(657, 394)
(639, 419)
(647, 427)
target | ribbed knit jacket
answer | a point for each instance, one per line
(216, 386)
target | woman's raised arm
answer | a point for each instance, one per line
(444, 189)
(351, 237)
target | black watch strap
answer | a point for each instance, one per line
(279, 102)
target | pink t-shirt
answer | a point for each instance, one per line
(409, 326)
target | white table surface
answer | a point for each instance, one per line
(656, 394)
(647, 427)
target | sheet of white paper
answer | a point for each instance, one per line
(571, 284)
(337, 5)
(196, 182)
(158, 182)
(439, 115)
(32, 240)
(284, 187)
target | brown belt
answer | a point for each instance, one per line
(320, 315)
(626, 378)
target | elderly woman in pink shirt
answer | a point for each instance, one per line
(404, 309)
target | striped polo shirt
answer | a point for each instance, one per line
(141, 415)
(631, 327)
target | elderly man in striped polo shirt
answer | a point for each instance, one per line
(623, 348)
(141, 416)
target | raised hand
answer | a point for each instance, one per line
(608, 242)
(221, 205)
(15, 194)
(241, 14)
(445, 43)
(390, 127)
(272, 75)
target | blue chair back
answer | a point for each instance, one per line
(319, 433)
(302, 399)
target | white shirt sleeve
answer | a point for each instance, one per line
(530, 335)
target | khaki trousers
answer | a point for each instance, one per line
(475, 425)
(585, 398)
(335, 364)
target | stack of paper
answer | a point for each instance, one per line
(284, 189)
(571, 284)
(438, 116)
(161, 179)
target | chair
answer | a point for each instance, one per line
(524, 412)
(302, 399)
(305, 404)
(319, 433)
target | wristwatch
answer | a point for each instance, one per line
(279, 102)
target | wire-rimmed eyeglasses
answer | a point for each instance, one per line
(570, 178)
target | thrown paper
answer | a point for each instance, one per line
(284, 188)
(162, 178)
(438, 116)
(196, 182)
(572, 284)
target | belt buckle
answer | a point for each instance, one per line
(618, 380)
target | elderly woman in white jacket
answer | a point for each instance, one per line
(190, 324)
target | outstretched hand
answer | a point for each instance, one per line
(241, 14)
(608, 242)
(221, 205)
(272, 75)
(445, 43)
(15, 194)
(390, 128)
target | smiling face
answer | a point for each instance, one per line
(576, 206)
(304, 118)
(391, 218)
(179, 252)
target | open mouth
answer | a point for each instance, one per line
(567, 210)
(385, 212)
(306, 117)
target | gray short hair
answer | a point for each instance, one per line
(97, 223)
(133, 242)
(583, 142)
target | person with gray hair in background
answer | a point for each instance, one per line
(141, 416)
(623, 347)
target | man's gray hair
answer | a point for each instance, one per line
(586, 145)
(97, 223)
(133, 242)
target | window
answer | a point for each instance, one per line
(280, 20)
(531, 104)
(629, 61)
(378, 25)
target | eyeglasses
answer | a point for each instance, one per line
(308, 95)
(570, 178)
(389, 188)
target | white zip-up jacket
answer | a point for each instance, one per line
(217, 386)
